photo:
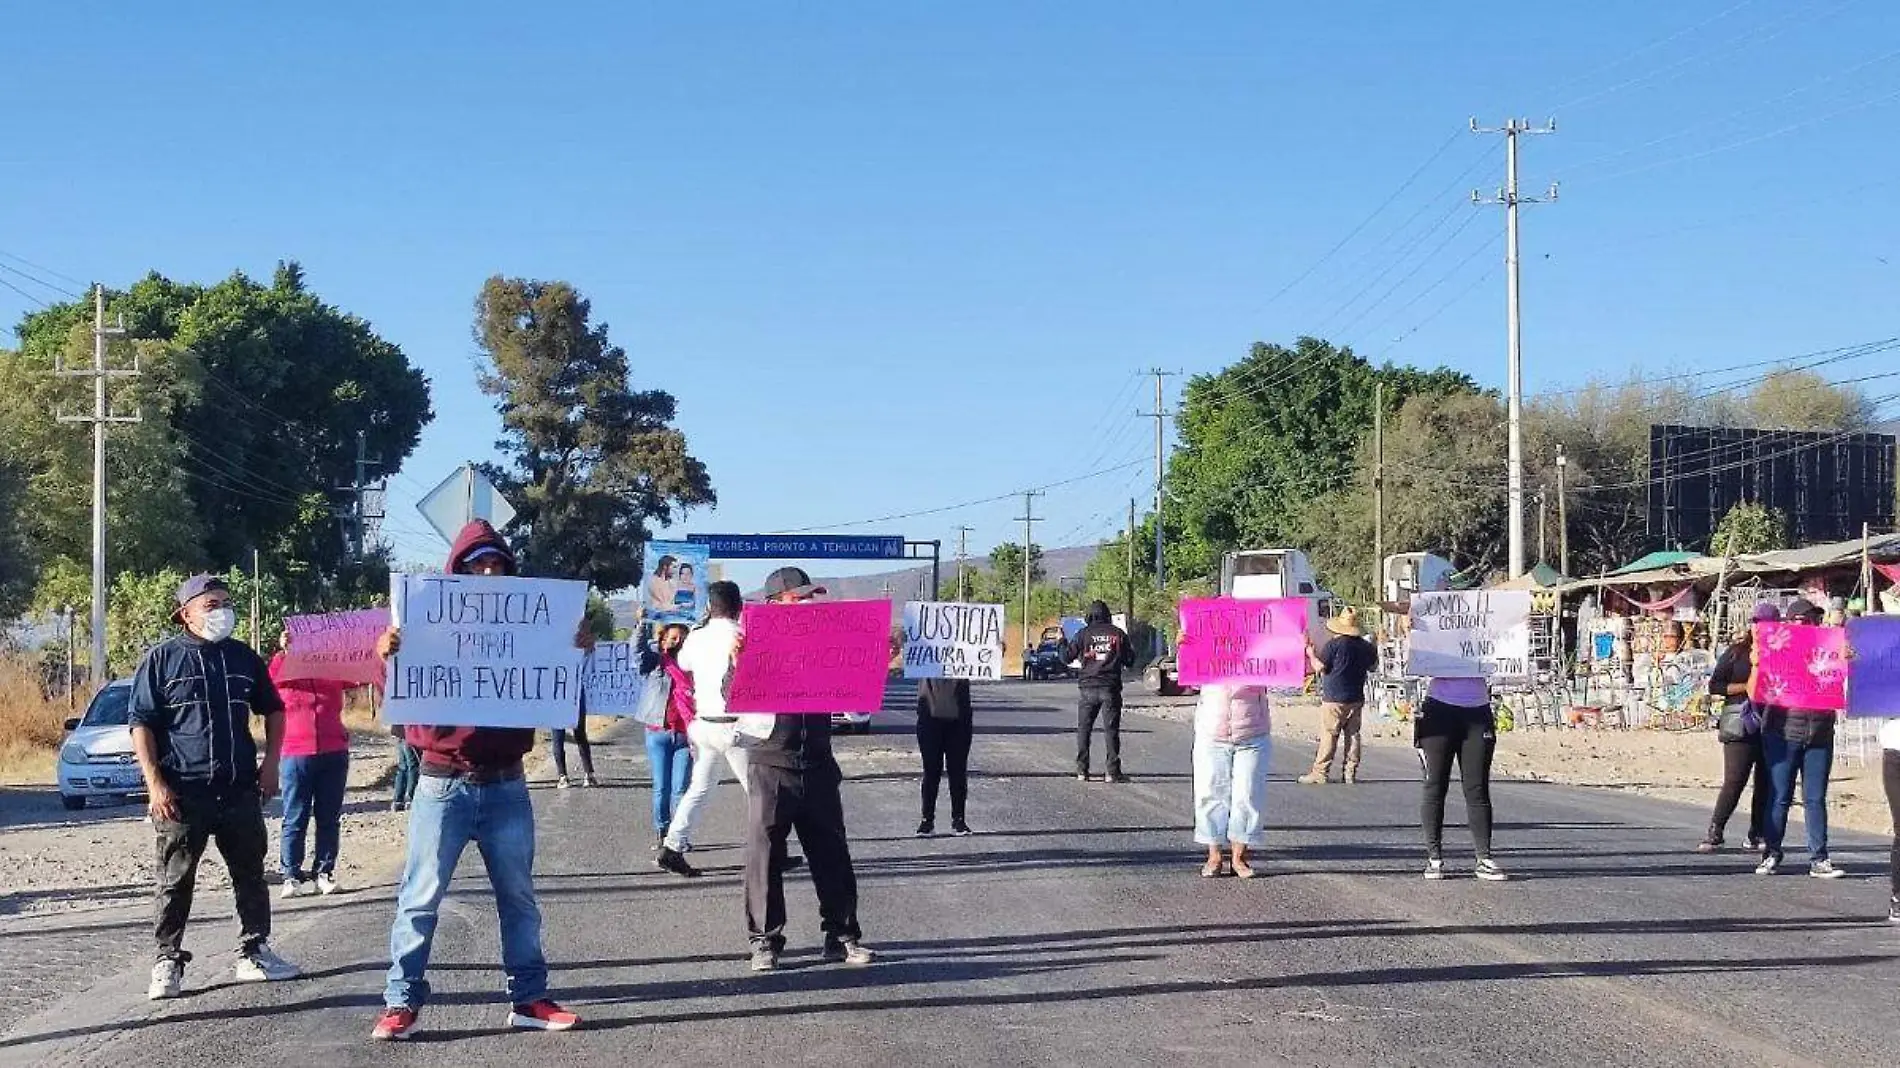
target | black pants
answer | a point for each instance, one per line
(945, 743)
(1468, 735)
(1104, 702)
(780, 801)
(1742, 764)
(580, 742)
(235, 820)
(1890, 777)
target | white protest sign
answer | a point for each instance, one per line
(612, 679)
(948, 640)
(485, 651)
(1472, 634)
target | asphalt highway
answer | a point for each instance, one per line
(1074, 929)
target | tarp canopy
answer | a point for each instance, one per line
(1662, 568)
(1654, 561)
(1541, 577)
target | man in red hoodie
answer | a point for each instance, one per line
(472, 790)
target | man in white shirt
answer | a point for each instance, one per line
(707, 657)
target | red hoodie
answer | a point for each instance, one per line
(313, 713)
(464, 749)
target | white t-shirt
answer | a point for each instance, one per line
(1890, 734)
(707, 657)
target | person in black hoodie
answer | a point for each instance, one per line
(472, 791)
(1104, 650)
(944, 726)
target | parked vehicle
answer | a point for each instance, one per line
(96, 760)
(1257, 574)
(1045, 660)
(851, 722)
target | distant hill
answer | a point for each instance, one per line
(908, 583)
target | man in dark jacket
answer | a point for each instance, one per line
(1104, 651)
(792, 783)
(472, 789)
(192, 703)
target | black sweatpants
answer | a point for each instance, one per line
(1105, 703)
(1890, 777)
(1742, 763)
(945, 743)
(235, 820)
(780, 801)
(1468, 735)
(579, 734)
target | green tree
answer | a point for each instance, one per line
(1265, 438)
(591, 461)
(252, 397)
(1749, 528)
(1803, 400)
(1005, 574)
(17, 568)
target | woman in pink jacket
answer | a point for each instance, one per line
(1233, 744)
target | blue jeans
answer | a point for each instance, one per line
(445, 816)
(313, 786)
(1813, 761)
(408, 770)
(671, 762)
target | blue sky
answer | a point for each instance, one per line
(893, 256)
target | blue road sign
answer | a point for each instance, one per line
(801, 546)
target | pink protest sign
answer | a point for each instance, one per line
(339, 646)
(1800, 666)
(818, 657)
(1231, 640)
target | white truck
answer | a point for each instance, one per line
(1258, 574)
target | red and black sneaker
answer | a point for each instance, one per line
(394, 1025)
(543, 1015)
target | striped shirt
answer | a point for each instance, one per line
(197, 698)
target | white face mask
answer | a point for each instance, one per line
(218, 624)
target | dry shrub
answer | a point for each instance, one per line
(30, 725)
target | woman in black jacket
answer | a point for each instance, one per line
(944, 726)
(1742, 762)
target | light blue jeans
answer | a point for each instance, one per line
(1230, 791)
(446, 815)
(671, 762)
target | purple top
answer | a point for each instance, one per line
(1465, 693)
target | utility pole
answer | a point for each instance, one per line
(1131, 561)
(101, 415)
(1378, 491)
(1508, 197)
(963, 553)
(1542, 491)
(1160, 415)
(1563, 518)
(358, 515)
(1028, 519)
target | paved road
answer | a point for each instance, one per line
(1073, 929)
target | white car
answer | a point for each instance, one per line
(96, 758)
(851, 722)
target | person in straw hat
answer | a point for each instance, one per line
(1343, 665)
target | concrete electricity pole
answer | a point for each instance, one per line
(1563, 518)
(358, 515)
(101, 415)
(1378, 491)
(963, 553)
(1508, 197)
(1131, 561)
(1028, 519)
(1160, 415)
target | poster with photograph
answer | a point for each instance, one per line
(673, 585)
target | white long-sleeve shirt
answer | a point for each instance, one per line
(707, 657)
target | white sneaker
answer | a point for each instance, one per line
(1434, 868)
(293, 888)
(1489, 871)
(263, 965)
(1825, 869)
(326, 883)
(1769, 865)
(562, 783)
(168, 980)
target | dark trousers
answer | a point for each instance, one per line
(1104, 702)
(945, 743)
(313, 790)
(580, 742)
(780, 801)
(1468, 735)
(235, 820)
(1890, 777)
(1742, 764)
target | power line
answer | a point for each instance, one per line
(1650, 47)
(1757, 139)
(1137, 461)
(47, 270)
